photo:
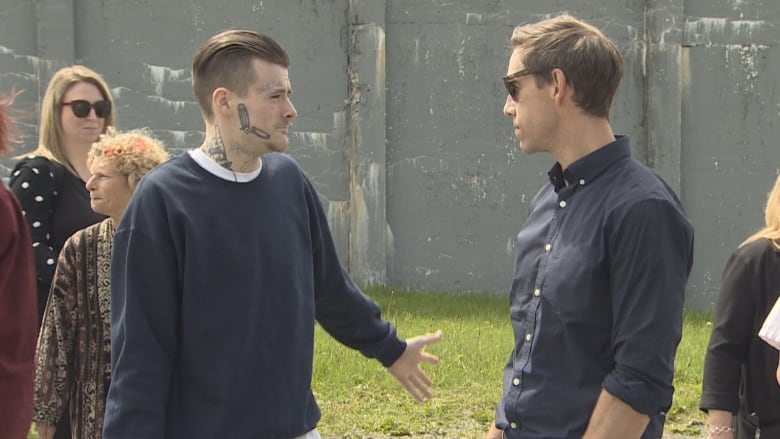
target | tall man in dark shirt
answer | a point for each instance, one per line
(602, 259)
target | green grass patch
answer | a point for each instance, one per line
(685, 416)
(360, 399)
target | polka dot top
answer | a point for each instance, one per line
(55, 203)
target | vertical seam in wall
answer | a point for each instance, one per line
(647, 40)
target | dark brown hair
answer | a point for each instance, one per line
(225, 61)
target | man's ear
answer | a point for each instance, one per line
(220, 100)
(560, 85)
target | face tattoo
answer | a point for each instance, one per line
(246, 126)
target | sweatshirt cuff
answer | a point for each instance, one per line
(391, 353)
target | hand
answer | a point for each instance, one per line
(494, 432)
(406, 368)
(45, 431)
(778, 372)
(727, 435)
(719, 424)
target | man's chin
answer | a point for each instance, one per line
(524, 147)
(279, 147)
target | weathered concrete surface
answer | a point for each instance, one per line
(730, 113)
(400, 124)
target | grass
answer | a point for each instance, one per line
(685, 416)
(359, 399)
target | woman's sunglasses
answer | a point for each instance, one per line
(81, 108)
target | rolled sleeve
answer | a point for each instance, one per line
(651, 256)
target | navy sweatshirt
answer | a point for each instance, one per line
(216, 286)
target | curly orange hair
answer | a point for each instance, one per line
(134, 153)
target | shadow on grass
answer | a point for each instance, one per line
(441, 304)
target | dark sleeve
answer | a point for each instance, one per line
(732, 331)
(341, 308)
(650, 254)
(144, 316)
(18, 324)
(34, 184)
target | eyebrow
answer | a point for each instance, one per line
(275, 87)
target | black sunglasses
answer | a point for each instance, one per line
(509, 81)
(81, 108)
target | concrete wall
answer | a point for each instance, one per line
(400, 124)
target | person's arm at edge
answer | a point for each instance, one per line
(614, 419)
(44, 431)
(732, 331)
(721, 421)
(777, 373)
(494, 432)
(18, 320)
(54, 363)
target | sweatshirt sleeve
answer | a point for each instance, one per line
(342, 309)
(144, 316)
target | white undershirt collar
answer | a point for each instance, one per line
(217, 170)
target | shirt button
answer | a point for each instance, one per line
(547, 247)
(537, 292)
(513, 425)
(582, 182)
(516, 381)
(562, 204)
(528, 337)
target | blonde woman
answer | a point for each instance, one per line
(73, 358)
(739, 368)
(49, 182)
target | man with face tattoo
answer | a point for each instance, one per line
(222, 264)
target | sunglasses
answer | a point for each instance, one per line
(510, 81)
(82, 108)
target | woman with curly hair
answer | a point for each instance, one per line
(73, 358)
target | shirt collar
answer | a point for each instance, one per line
(587, 168)
(218, 170)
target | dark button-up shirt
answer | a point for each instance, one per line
(597, 297)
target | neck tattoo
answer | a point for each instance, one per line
(215, 148)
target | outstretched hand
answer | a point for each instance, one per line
(406, 368)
